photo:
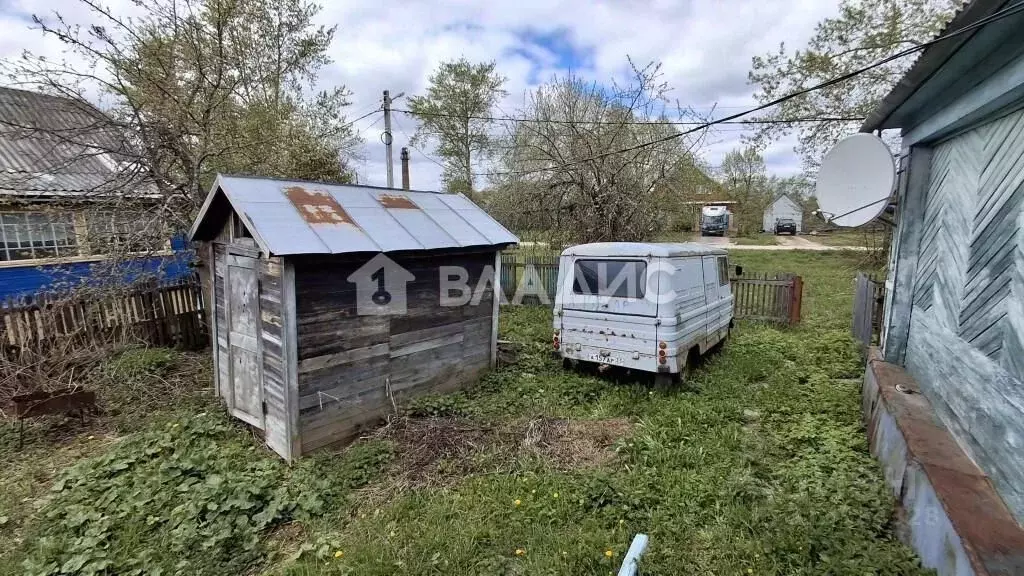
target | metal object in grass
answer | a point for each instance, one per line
(56, 402)
(631, 563)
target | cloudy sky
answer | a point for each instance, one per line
(705, 47)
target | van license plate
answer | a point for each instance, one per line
(605, 359)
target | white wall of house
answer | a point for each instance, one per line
(783, 207)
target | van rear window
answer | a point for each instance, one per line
(614, 278)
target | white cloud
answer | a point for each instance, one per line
(705, 46)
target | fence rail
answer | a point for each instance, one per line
(169, 314)
(868, 301)
(774, 298)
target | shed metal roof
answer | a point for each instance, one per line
(662, 249)
(289, 217)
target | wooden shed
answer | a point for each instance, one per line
(332, 303)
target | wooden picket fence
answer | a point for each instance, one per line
(868, 303)
(166, 314)
(771, 298)
(541, 271)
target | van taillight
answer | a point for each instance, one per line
(554, 340)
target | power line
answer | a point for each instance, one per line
(371, 112)
(632, 123)
(372, 124)
(1004, 13)
(413, 146)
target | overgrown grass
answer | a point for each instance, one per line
(759, 465)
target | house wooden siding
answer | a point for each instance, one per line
(967, 309)
(352, 368)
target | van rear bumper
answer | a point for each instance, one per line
(625, 359)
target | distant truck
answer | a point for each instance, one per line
(714, 221)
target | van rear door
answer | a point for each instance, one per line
(711, 295)
(609, 286)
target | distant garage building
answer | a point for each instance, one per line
(331, 301)
(783, 207)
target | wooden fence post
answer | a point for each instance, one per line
(797, 299)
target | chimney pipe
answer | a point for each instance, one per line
(405, 168)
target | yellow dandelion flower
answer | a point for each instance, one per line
(555, 495)
(339, 554)
(750, 570)
(520, 552)
(518, 502)
(608, 553)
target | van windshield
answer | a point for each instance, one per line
(613, 278)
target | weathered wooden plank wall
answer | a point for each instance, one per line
(221, 357)
(351, 367)
(274, 371)
(967, 319)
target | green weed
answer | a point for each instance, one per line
(758, 466)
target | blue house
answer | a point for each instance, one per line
(945, 395)
(66, 206)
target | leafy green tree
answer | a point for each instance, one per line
(745, 177)
(192, 88)
(864, 32)
(451, 116)
(583, 169)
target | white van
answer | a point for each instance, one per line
(649, 307)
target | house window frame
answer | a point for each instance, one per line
(70, 247)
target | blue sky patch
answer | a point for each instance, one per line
(547, 49)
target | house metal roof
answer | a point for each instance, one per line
(641, 249)
(52, 146)
(288, 217)
(930, 60)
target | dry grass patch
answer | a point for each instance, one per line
(441, 451)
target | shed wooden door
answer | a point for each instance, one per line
(243, 340)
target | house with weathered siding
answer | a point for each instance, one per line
(331, 304)
(66, 204)
(944, 398)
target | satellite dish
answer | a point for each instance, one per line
(855, 180)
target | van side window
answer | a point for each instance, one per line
(723, 271)
(614, 278)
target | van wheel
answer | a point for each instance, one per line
(568, 364)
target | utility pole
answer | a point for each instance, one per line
(388, 138)
(388, 101)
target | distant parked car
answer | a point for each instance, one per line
(785, 226)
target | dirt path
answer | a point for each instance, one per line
(783, 243)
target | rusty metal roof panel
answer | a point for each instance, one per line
(428, 232)
(379, 227)
(279, 227)
(458, 228)
(290, 217)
